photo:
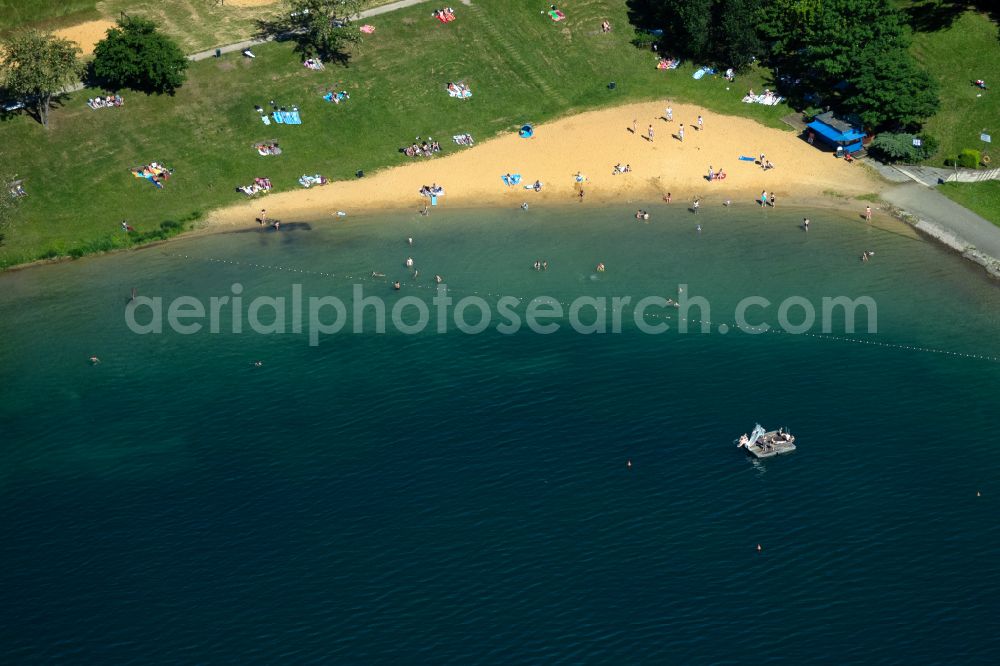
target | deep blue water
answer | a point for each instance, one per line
(466, 498)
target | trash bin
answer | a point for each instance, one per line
(218, 53)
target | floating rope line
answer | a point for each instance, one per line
(721, 328)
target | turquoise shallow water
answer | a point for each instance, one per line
(455, 498)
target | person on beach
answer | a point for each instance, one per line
(670, 114)
(649, 133)
(868, 213)
(763, 199)
(580, 195)
(680, 133)
(524, 206)
(772, 199)
(711, 172)
(668, 198)
(635, 122)
(263, 217)
(696, 205)
(701, 123)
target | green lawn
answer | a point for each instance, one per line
(957, 55)
(521, 66)
(15, 13)
(197, 25)
(982, 198)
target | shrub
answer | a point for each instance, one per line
(643, 39)
(898, 147)
(969, 158)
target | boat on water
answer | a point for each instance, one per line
(767, 443)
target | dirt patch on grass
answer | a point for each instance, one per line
(86, 35)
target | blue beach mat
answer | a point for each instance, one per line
(293, 118)
(744, 158)
(514, 179)
(278, 117)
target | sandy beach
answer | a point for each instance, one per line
(590, 143)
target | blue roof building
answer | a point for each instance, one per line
(839, 134)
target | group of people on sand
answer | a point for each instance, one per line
(715, 175)
(621, 169)
(432, 190)
(106, 102)
(424, 149)
(765, 200)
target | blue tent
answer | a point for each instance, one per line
(526, 132)
(838, 133)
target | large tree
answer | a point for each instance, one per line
(891, 91)
(134, 55)
(37, 66)
(717, 32)
(320, 28)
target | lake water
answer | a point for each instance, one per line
(457, 498)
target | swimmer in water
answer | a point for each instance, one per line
(94, 360)
(438, 279)
(416, 274)
(396, 285)
(600, 268)
(376, 274)
(409, 241)
(409, 262)
(545, 265)
(524, 206)
(805, 223)
(699, 228)
(258, 364)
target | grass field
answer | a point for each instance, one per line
(982, 198)
(966, 50)
(197, 25)
(47, 13)
(521, 66)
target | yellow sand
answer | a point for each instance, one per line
(591, 143)
(87, 34)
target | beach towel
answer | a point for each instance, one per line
(328, 97)
(744, 158)
(278, 117)
(295, 118)
(513, 179)
(367, 29)
(700, 72)
(556, 15)
(434, 200)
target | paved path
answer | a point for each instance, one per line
(930, 205)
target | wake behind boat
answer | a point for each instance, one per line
(765, 444)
